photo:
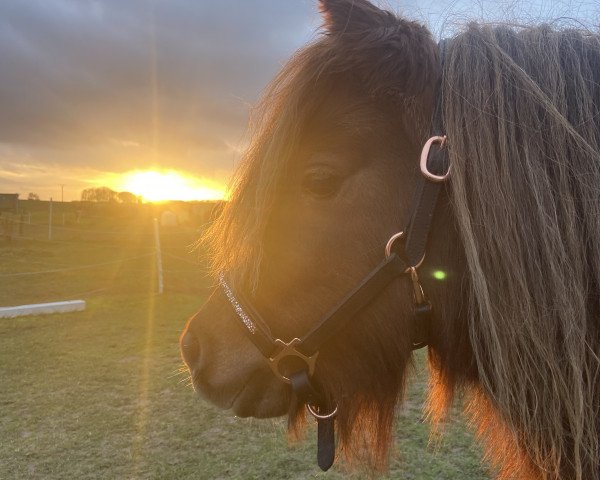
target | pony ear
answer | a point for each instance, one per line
(390, 57)
(352, 16)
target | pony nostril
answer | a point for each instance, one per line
(190, 349)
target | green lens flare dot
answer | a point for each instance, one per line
(439, 275)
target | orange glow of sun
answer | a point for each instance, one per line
(158, 186)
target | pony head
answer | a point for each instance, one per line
(328, 178)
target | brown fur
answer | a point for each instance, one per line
(516, 324)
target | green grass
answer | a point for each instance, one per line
(98, 394)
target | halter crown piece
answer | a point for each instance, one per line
(294, 362)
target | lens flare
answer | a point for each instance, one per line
(439, 275)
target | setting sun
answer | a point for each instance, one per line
(156, 186)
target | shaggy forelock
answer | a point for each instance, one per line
(235, 240)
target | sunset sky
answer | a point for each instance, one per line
(99, 92)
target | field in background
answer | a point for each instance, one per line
(98, 394)
(99, 249)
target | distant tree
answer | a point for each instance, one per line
(33, 196)
(127, 197)
(86, 195)
(99, 194)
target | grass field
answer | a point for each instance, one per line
(98, 394)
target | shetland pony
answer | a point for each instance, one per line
(327, 179)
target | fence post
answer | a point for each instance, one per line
(159, 269)
(50, 220)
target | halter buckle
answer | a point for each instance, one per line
(289, 350)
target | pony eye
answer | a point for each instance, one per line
(321, 184)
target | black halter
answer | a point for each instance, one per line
(294, 361)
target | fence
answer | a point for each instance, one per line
(98, 257)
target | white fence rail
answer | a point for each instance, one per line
(42, 308)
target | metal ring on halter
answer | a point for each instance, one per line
(425, 156)
(289, 350)
(318, 416)
(388, 250)
(388, 246)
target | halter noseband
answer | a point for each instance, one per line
(294, 362)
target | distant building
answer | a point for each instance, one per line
(9, 202)
(168, 219)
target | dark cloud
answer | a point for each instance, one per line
(171, 78)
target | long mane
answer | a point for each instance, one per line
(522, 112)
